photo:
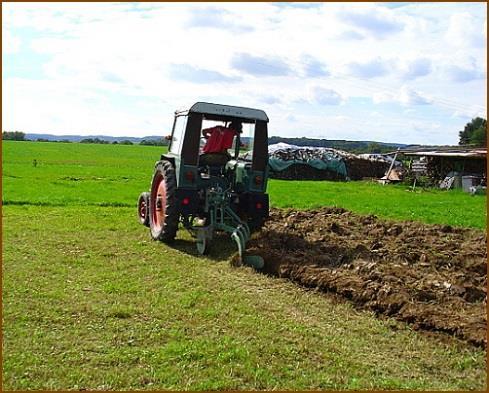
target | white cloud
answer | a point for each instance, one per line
(465, 70)
(464, 30)
(369, 69)
(469, 113)
(406, 96)
(410, 97)
(325, 96)
(416, 68)
(376, 21)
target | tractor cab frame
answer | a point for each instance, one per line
(225, 194)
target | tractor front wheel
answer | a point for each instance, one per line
(163, 212)
(143, 204)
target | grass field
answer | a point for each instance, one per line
(89, 301)
(114, 175)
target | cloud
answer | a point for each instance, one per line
(51, 45)
(270, 99)
(217, 18)
(370, 69)
(469, 113)
(406, 97)
(351, 35)
(465, 30)
(374, 21)
(416, 68)
(260, 66)
(324, 96)
(188, 73)
(314, 68)
(463, 74)
(410, 97)
(111, 77)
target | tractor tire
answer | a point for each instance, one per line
(163, 211)
(143, 208)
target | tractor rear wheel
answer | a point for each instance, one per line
(143, 207)
(163, 212)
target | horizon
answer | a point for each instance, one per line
(162, 136)
(411, 73)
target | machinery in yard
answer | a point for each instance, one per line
(210, 189)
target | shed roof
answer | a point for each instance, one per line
(448, 152)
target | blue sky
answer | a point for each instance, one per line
(392, 72)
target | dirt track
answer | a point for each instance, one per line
(431, 276)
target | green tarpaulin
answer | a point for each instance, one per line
(334, 164)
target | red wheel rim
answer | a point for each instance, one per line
(158, 203)
(142, 209)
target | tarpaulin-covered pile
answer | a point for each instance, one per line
(368, 165)
(321, 163)
(305, 163)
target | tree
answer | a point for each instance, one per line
(474, 133)
(479, 137)
(13, 136)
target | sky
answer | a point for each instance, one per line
(389, 72)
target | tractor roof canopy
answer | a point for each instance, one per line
(220, 112)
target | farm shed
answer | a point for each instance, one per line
(437, 164)
(321, 163)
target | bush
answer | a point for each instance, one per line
(94, 140)
(154, 142)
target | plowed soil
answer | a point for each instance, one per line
(431, 276)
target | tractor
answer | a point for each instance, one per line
(208, 191)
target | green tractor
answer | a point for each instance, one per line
(211, 183)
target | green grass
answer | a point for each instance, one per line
(433, 206)
(76, 173)
(90, 302)
(114, 175)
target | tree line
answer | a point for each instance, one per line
(21, 136)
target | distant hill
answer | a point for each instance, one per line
(78, 138)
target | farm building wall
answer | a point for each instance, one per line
(439, 167)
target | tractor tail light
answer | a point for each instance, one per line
(185, 201)
(189, 175)
(258, 205)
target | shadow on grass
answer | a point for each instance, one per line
(221, 248)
